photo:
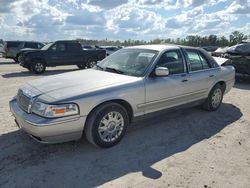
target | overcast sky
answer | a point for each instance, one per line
(46, 20)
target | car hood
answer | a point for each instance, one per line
(29, 49)
(67, 85)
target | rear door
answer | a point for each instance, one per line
(74, 53)
(201, 74)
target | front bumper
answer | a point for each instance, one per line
(46, 130)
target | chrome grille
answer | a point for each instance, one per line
(23, 101)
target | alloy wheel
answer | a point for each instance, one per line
(111, 126)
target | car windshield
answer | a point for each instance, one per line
(130, 61)
(47, 46)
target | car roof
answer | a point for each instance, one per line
(160, 47)
(22, 41)
(65, 41)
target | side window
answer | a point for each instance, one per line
(205, 64)
(197, 61)
(13, 44)
(53, 47)
(58, 47)
(30, 45)
(40, 45)
(173, 61)
(73, 47)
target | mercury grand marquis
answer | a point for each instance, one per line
(101, 102)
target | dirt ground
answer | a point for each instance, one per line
(186, 148)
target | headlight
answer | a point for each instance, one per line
(52, 111)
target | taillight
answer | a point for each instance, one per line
(7, 49)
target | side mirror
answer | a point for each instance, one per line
(161, 71)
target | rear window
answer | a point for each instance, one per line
(30, 45)
(13, 44)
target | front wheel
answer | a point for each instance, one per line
(106, 125)
(214, 99)
(81, 66)
(38, 67)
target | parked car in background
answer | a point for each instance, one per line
(66, 52)
(220, 51)
(240, 56)
(1, 46)
(210, 48)
(135, 81)
(110, 49)
(12, 48)
(239, 49)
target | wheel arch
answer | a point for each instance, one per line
(121, 102)
(38, 59)
(222, 84)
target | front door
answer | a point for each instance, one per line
(169, 91)
(57, 55)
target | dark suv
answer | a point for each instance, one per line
(12, 48)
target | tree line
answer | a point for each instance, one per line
(191, 40)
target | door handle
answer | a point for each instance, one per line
(211, 75)
(185, 80)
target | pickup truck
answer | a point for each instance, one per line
(60, 53)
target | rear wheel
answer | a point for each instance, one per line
(38, 67)
(106, 125)
(214, 99)
(91, 63)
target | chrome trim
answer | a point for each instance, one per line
(203, 70)
(53, 123)
(170, 99)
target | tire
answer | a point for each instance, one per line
(38, 67)
(106, 134)
(81, 66)
(214, 99)
(91, 63)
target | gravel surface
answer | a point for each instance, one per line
(186, 148)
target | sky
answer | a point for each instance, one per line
(49, 20)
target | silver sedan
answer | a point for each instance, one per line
(133, 82)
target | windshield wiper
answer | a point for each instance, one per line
(114, 70)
